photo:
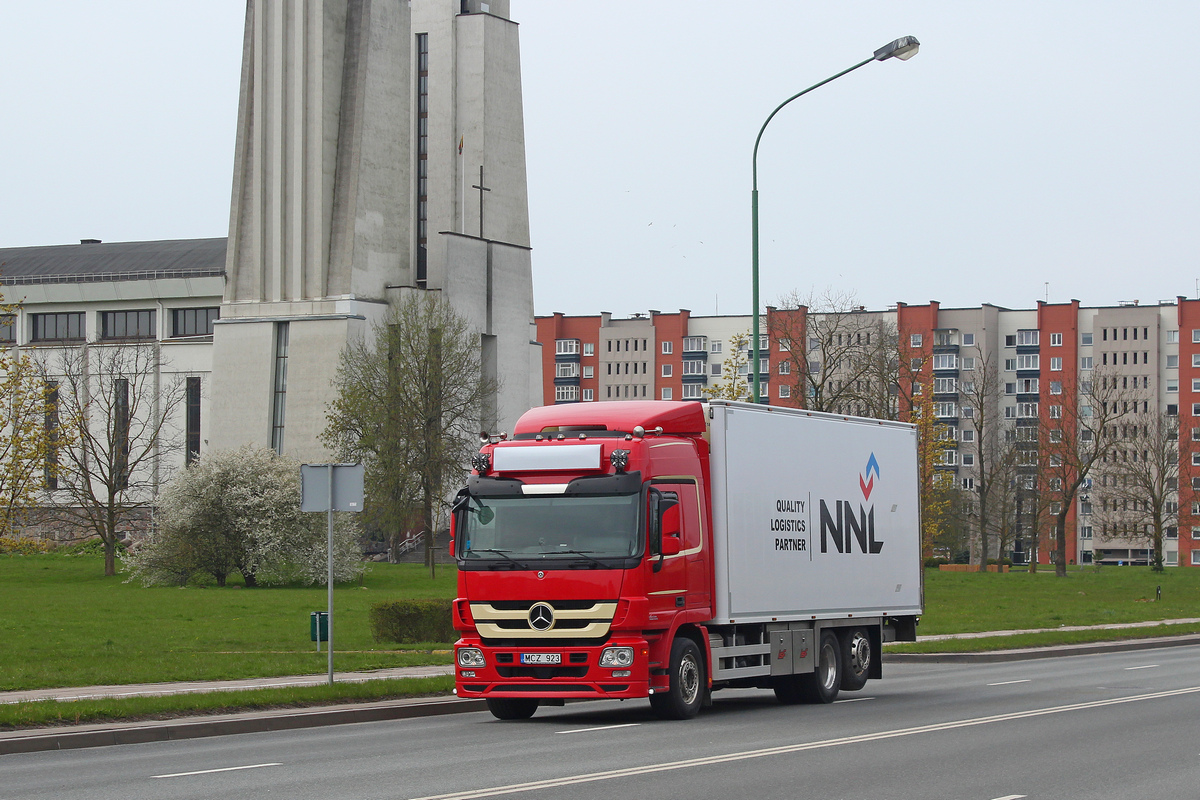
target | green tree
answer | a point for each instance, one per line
(410, 400)
(734, 383)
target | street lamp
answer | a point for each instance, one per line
(903, 48)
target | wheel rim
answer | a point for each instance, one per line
(860, 654)
(828, 656)
(689, 679)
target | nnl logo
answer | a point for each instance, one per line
(844, 527)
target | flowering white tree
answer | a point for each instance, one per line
(239, 511)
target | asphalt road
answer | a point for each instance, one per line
(1118, 725)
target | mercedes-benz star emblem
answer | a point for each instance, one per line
(541, 617)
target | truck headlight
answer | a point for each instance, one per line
(616, 657)
(470, 657)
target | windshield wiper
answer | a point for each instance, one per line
(502, 553)
(583, 553)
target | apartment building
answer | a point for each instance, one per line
(1038, 385)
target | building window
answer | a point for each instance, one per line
(1027, 338)
(968, 484)
(715, 346)
(1027, 386)
(694, 344)
(945, 410)
(587, 395)
(1195, 335)
(64, 327)
(568, 369)
(1055, 387)
(1085, 362)
(1195, 555)
(967, 434)
(1056, 365)
(666, 370)
(715, 369)
(666, 394)
(1172, 362)
(968, 459)
(50, 468)
(1056, 340)
(1085, 532)
(1027, 410)
(121, 431)
(589, 372)
(915, 340)
(949, 457)
(193, 321)
(1172, 337)
(566, 347)
(422, 153)
(667, 348)
(279, 405)
(192, 421)
(945, 361)
(1010, 340)
(1028, 362)
(1010, 365)
(1196, 409)
(566, 394)
(693, 367)
(968, 339)
(8, 329)
(1085, 338)
(968, 363)
(968, 412)
(692, 391)
(785, 390)
(589, 349)
(945, 385)
(785, 368)
(1195, 360)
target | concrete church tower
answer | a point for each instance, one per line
(380, 150)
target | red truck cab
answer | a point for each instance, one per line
(584, 553)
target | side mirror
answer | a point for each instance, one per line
(671, 521)
(671, 545)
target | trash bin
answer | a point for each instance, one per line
(318, 627)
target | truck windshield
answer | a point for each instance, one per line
(543, 527)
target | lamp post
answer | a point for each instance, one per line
(903, 48)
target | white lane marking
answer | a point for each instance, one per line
(1007, 683)
(852, 700)
(222, 769)
(1147, 666)
(668, 766)
(602, 728)
(1012, 797)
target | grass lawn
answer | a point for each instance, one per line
(961, 602)
(62, 623)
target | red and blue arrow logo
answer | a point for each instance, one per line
(866, 481)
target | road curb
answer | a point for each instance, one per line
(41, 739)
(1087, 649)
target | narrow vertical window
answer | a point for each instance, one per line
(280, 386)
(121, 432)
(51, 464)
(422, 159)
(193, 420)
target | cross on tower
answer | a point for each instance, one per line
(481, 189)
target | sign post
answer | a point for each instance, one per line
(329, 488)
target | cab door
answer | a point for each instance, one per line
(681, 581)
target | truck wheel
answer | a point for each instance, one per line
(821, 686)
(686, 694)
(856, 659)
(512, 707)
(789, 689)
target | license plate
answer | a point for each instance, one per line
(541, 658)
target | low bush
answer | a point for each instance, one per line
(20, 547)
(934, 563)
(412, 621)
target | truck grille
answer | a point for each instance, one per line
(544, 621)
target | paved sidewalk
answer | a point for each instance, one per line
(192, 687)
(1060, 629)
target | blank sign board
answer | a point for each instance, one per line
(347, 487)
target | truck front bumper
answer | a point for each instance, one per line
(578, 675)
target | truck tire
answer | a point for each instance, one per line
(512, 707)
(821, 685)
(857, 654)
(686, 693)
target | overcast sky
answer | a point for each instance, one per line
(1027, 142)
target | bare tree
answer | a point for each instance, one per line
(123, 415)
(834, 351)
(1137, 480)
(1075, 442)
(409, 406)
